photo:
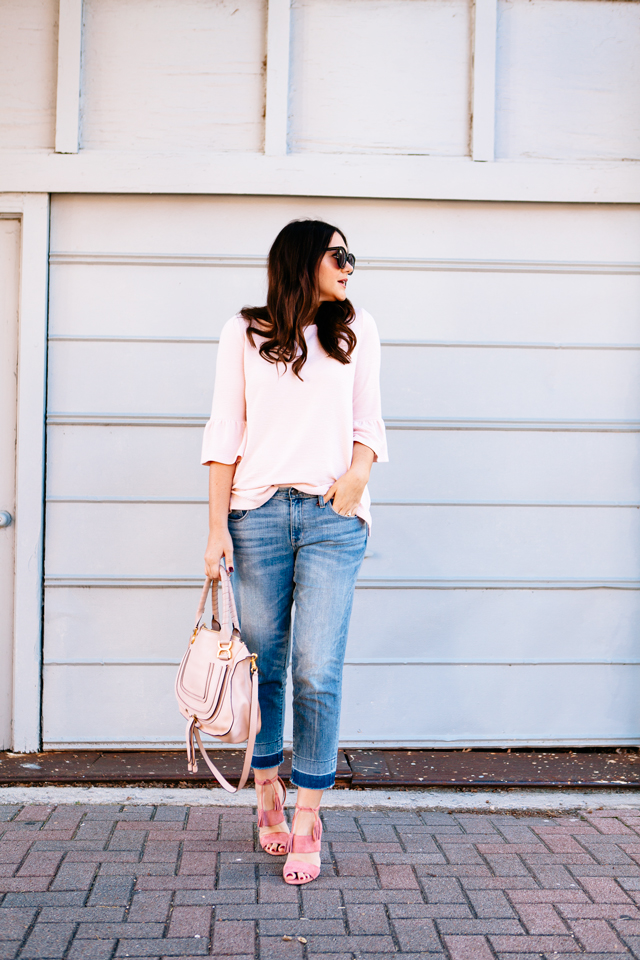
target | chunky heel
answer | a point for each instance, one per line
(297, 872)
(270, 818)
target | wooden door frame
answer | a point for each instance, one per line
(32, 209)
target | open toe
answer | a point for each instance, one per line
(297, 872)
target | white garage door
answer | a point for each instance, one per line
(500, 602)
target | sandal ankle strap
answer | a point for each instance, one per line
(305, 843)
(262, 783)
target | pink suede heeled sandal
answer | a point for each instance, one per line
(269, 818)
(299, 871)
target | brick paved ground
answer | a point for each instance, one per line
(96, 882)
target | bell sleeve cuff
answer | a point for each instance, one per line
(224, 441)
(372, 434)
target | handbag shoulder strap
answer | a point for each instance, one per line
(192, 731)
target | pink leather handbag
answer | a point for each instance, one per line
(217, 683)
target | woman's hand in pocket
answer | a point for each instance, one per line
(219, 546)
(346, 492)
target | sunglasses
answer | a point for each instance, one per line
(342, 258)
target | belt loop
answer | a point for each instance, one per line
(321, 502)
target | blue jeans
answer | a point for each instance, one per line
(296, 549)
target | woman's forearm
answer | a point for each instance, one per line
(220, 483)
(362, 459)
(219, 544)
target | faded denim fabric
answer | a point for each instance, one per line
(296, 549)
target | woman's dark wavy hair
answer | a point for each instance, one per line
(292, 299)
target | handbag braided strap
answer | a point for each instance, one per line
(229, 611)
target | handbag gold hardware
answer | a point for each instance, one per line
(224, 649)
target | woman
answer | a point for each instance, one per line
(295, 427)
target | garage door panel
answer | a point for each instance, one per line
(383, 228)
(145, 378)
(105, 704)
(427, 304)
(146, 462)
(519, 383)
(497, 542)
(149, 301)
(520, 307)
(168, 540)
(137, 462)
(460, 626)
(168, 616)
(473, 704)
(434, 625)
(509, 465)
(424, 382)
(492, 704)
(126, 539)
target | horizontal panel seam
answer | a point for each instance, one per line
(364, 583)
(364, 263)
(199, 501)
(392, 423)
(431, 344)
(369, 662)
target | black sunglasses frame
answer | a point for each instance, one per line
(342, 257)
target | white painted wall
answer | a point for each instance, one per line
(380, 76)
(173, 76)
(506, 292)
(28, 55)
(568, 79)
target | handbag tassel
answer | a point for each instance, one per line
(192, 763)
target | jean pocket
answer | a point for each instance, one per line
(237, 515)
(341, 516)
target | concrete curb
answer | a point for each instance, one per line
(481, 801)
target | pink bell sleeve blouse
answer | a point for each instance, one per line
(286, 432)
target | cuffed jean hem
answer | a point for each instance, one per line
(266, 763)
(311, 781)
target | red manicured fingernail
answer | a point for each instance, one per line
(230, 569)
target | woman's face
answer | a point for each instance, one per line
(332, 281)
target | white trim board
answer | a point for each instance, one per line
(33, 211)
(322, 175)
(276, 118)
(483, 101)
(68, 81)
